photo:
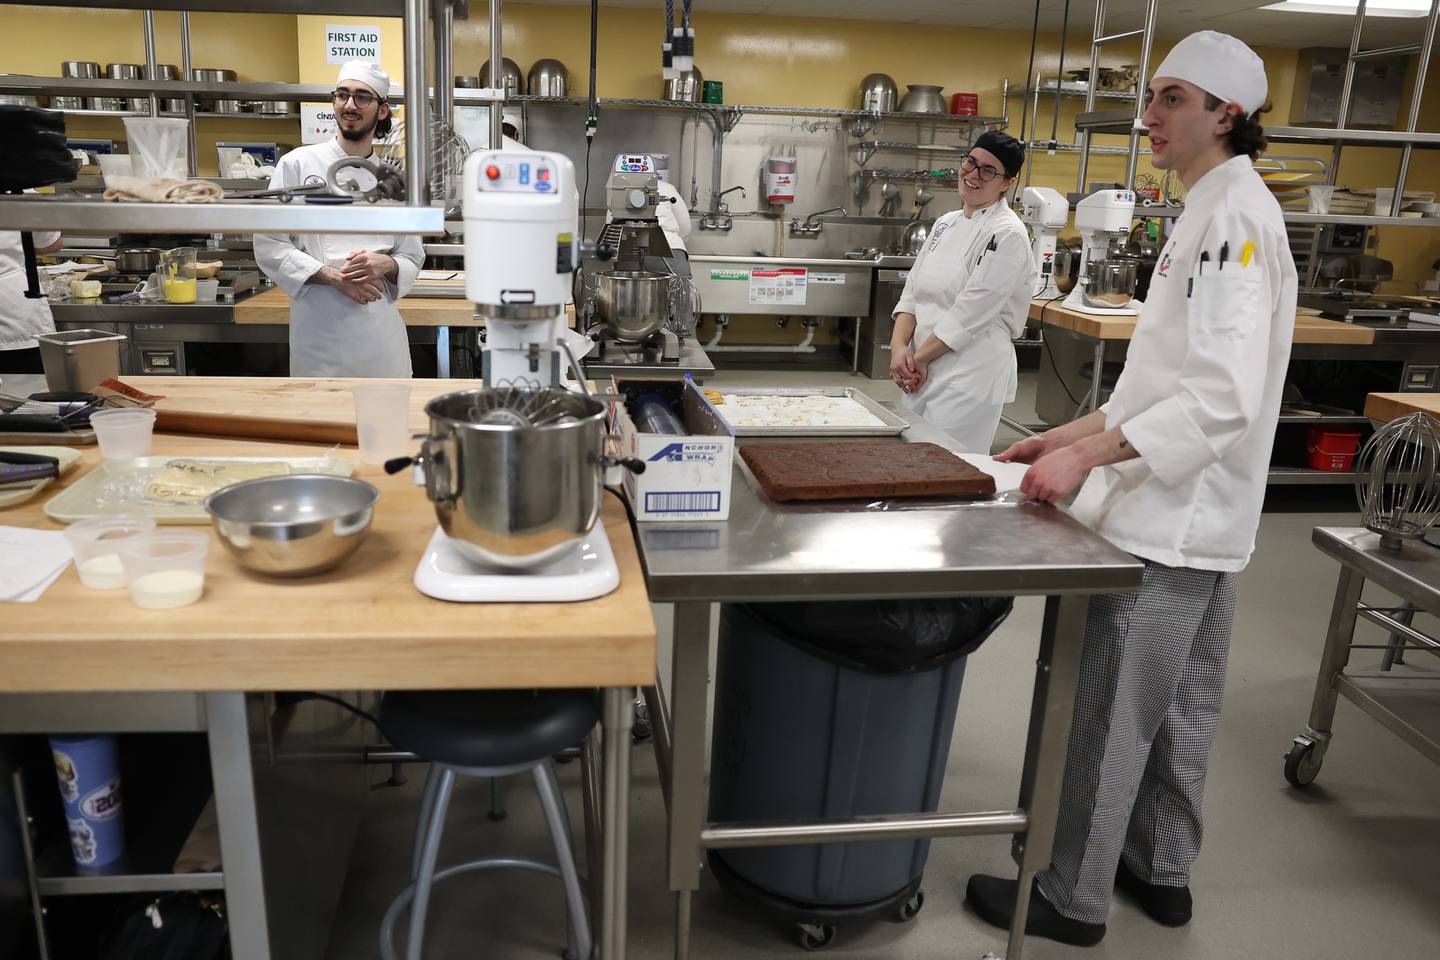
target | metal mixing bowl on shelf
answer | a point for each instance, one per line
(293, 526)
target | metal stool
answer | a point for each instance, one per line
(486, 734)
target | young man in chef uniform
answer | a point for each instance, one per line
(1174, 469)
(343, 287)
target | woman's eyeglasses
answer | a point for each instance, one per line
(987, 172)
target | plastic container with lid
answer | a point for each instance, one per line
(166, 569)
(96, 545)
(124, 432)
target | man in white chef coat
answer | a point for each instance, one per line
(1173, 470)
(343, 287)
(22, 317)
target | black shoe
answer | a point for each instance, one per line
(993, 898)
(1171, 906)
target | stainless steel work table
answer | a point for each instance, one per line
(1407, 703)
(845, 551)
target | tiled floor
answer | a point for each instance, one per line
(1343, 870)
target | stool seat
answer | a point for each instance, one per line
(488, 728)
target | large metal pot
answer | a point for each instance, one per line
(137, 259)
(877, 92)
(514, 496)
(687, 87)
(547, 78)
(1108, 284)
(81, 70)
(514, 80)
(923, 98)
(632, 304)
(214, 104)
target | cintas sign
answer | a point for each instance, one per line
(345, 42)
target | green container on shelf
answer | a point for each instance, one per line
(712, 91)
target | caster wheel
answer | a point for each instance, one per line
(908, 910)
(816, 936)
(1302, 764)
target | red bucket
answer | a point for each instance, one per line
(1332, 450)
(965, 104)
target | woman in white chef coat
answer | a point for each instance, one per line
(21, 318)
(965, 300)
(1174, 469)
(343, 287)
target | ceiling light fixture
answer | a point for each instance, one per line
(1381, 8)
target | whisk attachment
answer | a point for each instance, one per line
(522, 405)
(1396, 481)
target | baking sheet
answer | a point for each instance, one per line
(116, 487)
(68, 457)
(891, 424)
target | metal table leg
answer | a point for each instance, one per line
(1333, 661)
(689, 678)
(618, 717)
(1395, 651)
(1096, 375)
(1052, 709)
(855, 352)
(228, 733)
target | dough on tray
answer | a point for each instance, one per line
(191, 481)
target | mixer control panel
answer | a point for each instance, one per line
(634, 163)
(517, 173)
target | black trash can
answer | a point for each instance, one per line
(836, 710)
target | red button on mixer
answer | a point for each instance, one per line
(493, 172)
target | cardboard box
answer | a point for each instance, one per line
(687, 477)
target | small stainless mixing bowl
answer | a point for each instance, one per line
(293, 526)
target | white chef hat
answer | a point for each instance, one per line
(1220, 65)
(369, 74)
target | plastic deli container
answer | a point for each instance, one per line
(166, 569)
(96, 545)
(124, 432)
(1332, 450)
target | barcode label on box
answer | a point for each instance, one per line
(706, 501)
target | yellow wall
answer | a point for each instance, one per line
(258, 47)
(761, 60)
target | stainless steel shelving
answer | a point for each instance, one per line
(78, 214)
(1320, 219)
(366, 8)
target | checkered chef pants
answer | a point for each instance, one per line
(1152, 676)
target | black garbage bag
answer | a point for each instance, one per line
(887, 636)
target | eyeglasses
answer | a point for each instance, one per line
(361, 98)
(987, 172)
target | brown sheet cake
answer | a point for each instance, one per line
(842, 470)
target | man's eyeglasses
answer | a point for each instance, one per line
(987, 172)
(361, 98)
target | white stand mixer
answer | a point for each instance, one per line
(1102, 218)
(521, 250)
(1045, 211)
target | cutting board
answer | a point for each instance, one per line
(267, 409)
(863, 469)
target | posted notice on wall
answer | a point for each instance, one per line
(784, 286)
(348, 41)
(317, 123)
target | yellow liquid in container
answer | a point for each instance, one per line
(178, 290)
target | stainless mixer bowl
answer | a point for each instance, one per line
(877, 92)
(1108, 283)
(293, 526)
(632, 304)
(513, 496)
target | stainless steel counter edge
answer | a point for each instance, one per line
(785, 261)
(1413, 571)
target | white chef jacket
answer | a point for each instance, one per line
(970, 287)
(1200, 391)
(674, 218)
(330, 334)
(21, 318)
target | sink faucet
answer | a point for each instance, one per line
(719, 218)
(812, 225)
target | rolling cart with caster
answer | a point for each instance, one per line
(1406, 702)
